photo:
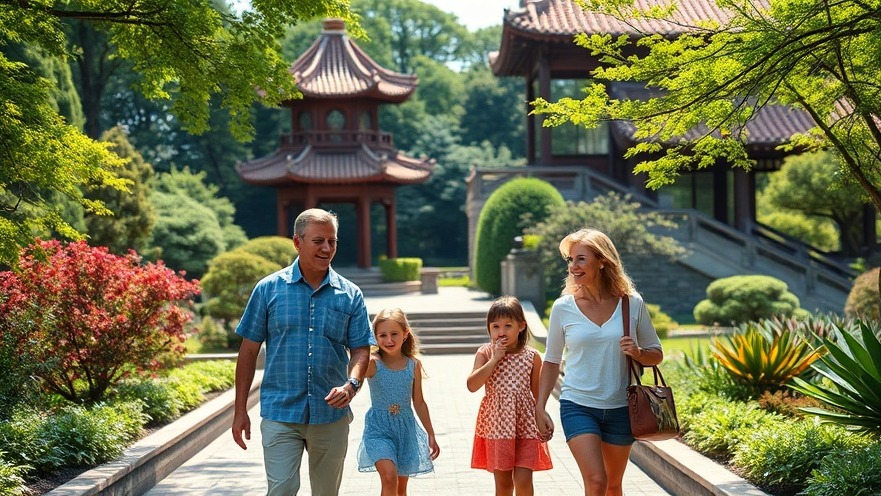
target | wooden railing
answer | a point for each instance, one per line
(375, 139)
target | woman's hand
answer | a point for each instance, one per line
(545, 424)
(630, 348)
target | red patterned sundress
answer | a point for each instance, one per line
(506, 435)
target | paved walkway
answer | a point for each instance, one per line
(224, 469)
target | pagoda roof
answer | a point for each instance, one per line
(334, 67)
(558, 21)
(772, 124)
(334, 166)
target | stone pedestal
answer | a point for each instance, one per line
(523, 277)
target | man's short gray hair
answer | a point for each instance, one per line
(314, 216)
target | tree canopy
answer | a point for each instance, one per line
(188, 54)
(816, 56)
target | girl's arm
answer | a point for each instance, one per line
(371, 366)
(484, 366)
(422, 411)
(536, 373)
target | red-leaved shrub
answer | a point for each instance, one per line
(90, 317)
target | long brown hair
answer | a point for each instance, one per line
(410, 347)
(509, 307)
(615, 281)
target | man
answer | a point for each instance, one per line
(308, 316)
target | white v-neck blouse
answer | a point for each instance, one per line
(596, 369)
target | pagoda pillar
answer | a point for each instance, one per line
(391, 224)
(363, 215)
(282, 211)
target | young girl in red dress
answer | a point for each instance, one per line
(506, 439)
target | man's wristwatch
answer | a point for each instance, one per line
(356, 384)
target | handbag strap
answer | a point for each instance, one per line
(633, 372)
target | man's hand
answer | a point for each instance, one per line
(241, 423)
(340, 396)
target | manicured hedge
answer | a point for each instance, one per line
(400, 269)
(501, 220)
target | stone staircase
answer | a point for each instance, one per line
(715, 250)
(371, 283)
(449, 333)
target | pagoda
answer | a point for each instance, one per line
(335, 151)
(537, 45)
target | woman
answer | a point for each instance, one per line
(587, 320)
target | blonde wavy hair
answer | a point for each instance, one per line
(615, 281)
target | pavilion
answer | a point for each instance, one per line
(335, 151)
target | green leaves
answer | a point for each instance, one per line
(853, 391)
(712, 77)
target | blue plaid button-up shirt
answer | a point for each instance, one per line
(307, 334)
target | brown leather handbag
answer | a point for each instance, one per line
(652, 409)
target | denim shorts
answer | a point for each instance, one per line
(613, 425)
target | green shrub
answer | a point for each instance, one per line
(21, 438)
(739, 299)
(856, 472)
(212, 333)
(229, 281)
(161, 403)
(705, 374)
(863, 299)
(277, 249)
(89, 437)
(12, 482)
(213, 375)
(662, 322)
(717, 431)
(400, 269)
(780, 458)
(502, 219)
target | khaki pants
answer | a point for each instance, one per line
(283, 446)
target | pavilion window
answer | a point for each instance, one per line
(366, 122)
(336, 121)
(569, 139)
(305, 121)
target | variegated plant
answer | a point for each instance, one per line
(764, 356)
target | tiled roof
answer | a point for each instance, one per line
(334, 66)
(329, 166)
(771, 126)
(558, 21)
(565, 17)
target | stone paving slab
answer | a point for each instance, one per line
(224, 469)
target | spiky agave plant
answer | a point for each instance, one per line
(853, 390)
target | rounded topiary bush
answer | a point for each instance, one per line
(862, 302)
(229, 281)
(501, 220)
(276, 249)
(739, 299)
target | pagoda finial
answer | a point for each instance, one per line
(334, 25)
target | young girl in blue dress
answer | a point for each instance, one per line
(393, 444)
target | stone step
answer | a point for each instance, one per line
(450, 331)
(450, 349)
(391, 288)
(427, 316)
(447, 322)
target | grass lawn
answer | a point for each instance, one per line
(194, 346)
(676, 347)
